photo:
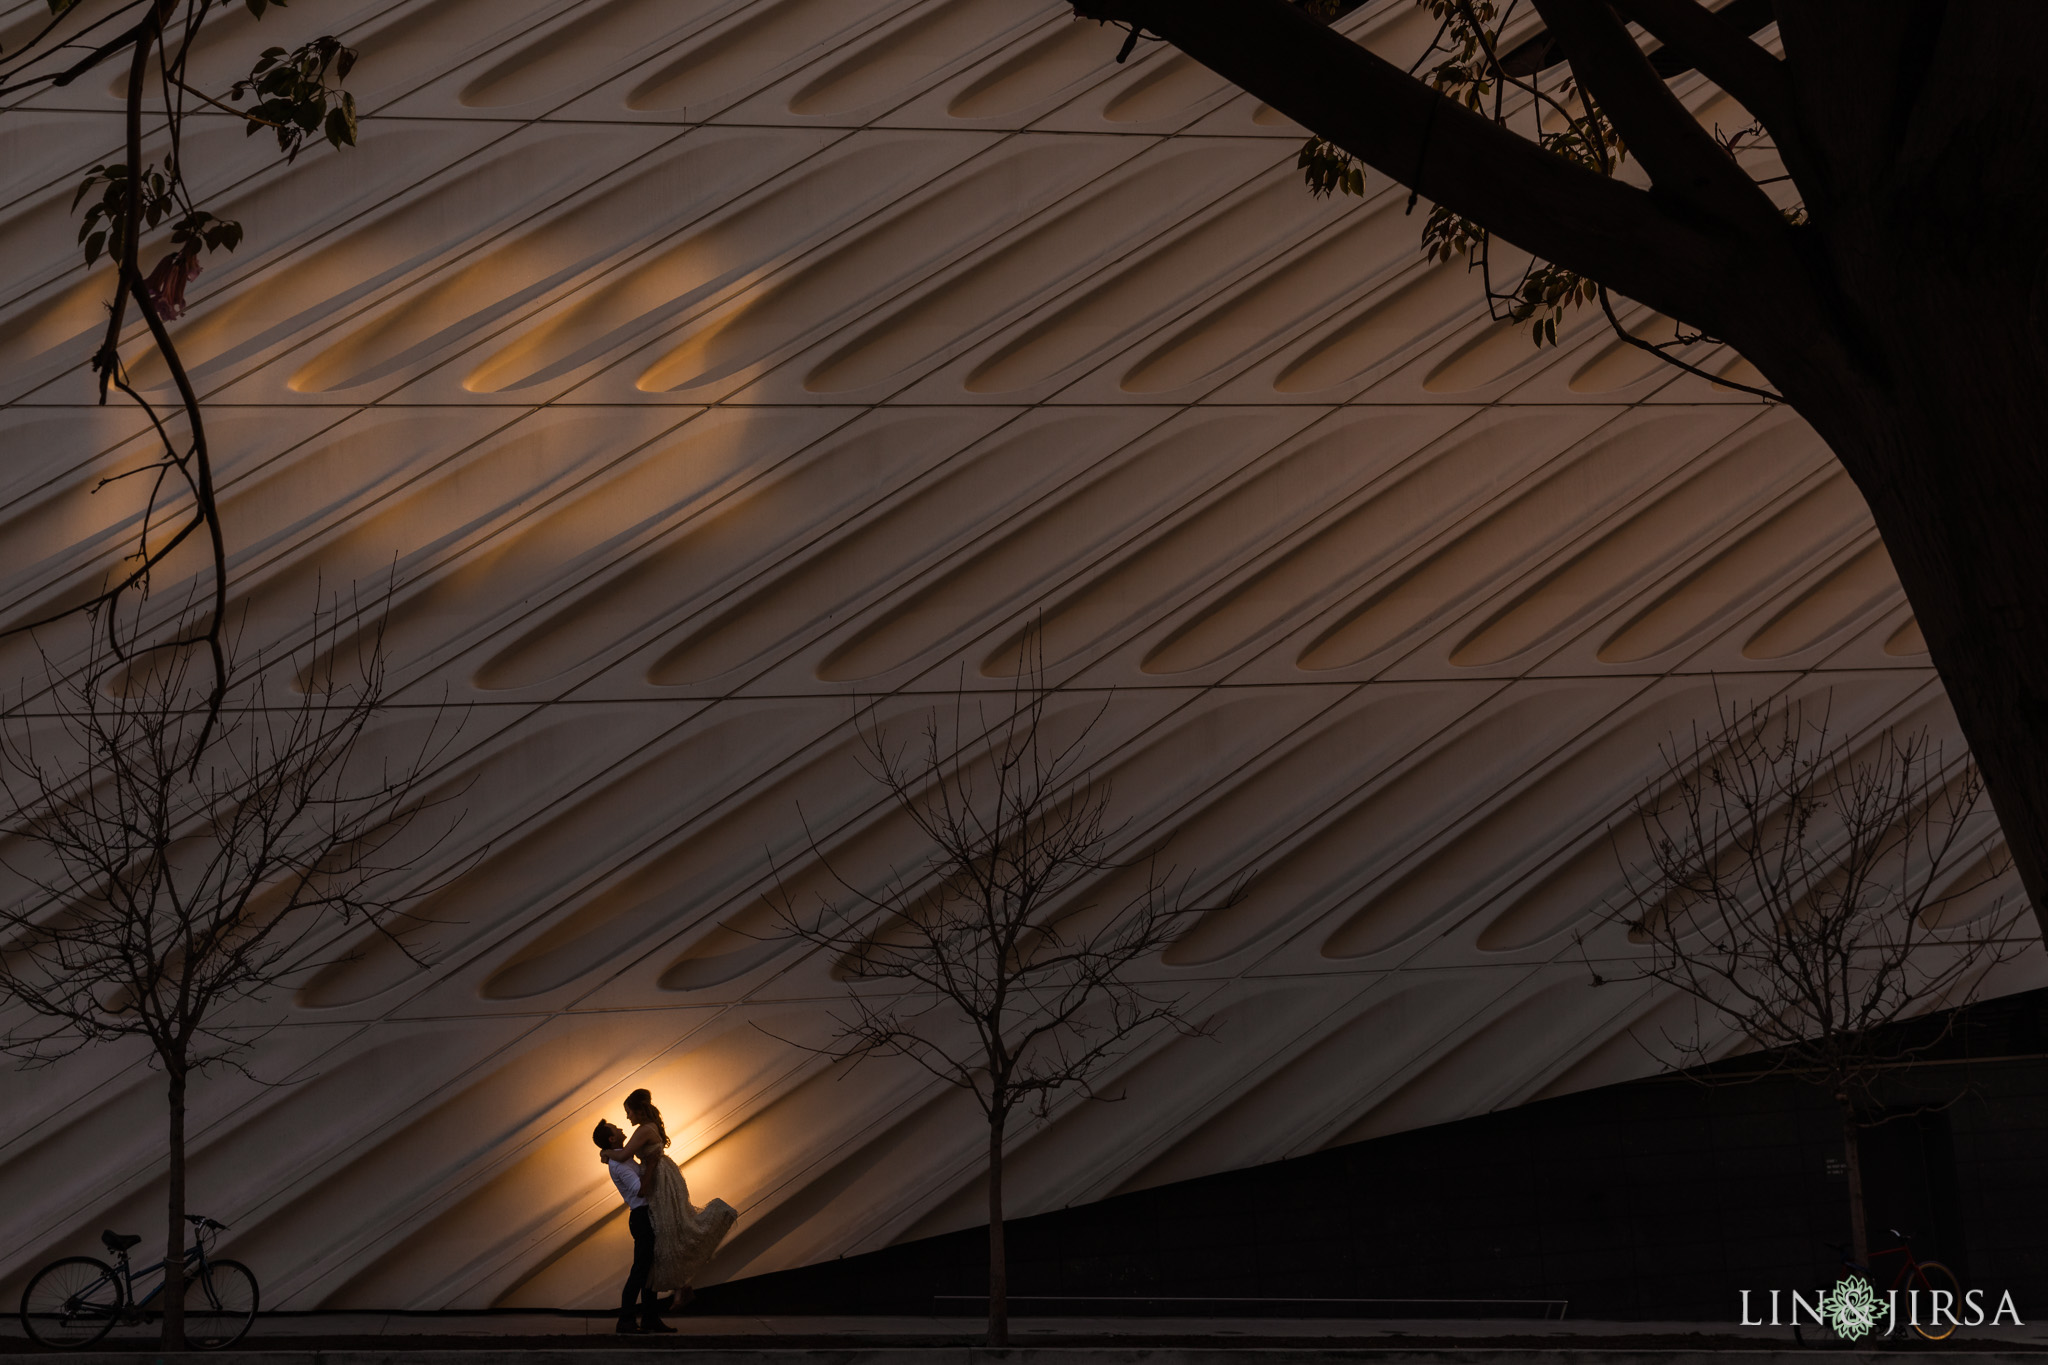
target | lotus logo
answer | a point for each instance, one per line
(1851, 1308)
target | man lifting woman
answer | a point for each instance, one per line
(672, 1239)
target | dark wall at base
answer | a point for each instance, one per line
(1655, 1199)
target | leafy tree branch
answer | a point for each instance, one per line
(296, 94)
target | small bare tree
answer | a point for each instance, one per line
(1014, 984)
(168, 866)
(1805, 895)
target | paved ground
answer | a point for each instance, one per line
(566, 1339)
(402, 1351)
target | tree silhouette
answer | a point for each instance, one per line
(1808, 897)
(987, 963)
(1869, 233)
(170, 864)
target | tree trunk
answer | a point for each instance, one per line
(998, 1262)
(1948, 450)
(174, 1236)
(1904, 320)
(1852, 1166)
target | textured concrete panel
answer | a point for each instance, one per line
(708, 371)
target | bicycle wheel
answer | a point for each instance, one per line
(1933, 1275)
(220, 1303)
(71, 1303)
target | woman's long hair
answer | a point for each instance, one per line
(640, 1108)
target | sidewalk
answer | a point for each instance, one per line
(512, 1338)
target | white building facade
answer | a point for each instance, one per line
(711, 370)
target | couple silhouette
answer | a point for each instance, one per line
(672, 1238)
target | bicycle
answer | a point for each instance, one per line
(1914, 1276)
(75, 1301)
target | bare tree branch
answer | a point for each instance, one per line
(174, 854)
(1011, 982)
(1810, 895)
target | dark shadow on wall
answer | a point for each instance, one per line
(1651, 1200)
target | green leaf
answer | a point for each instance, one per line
(341, 124)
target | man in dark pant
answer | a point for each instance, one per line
(626, 1176)
(642, 1227)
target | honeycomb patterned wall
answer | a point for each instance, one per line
(707, 369)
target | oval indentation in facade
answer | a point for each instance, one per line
(581, 54)
(1307, 1091)
(416, 45)
(1494, 354)
(428, 318)
(662, 894)
(1379, 829)
(539, 552)
(464, 496)
(1074, 526)
(1576, 888)
(1442, 485)
(1115, 307)
(1315, 775)
(1068, 55)
(1585, 486)
(639, 296)
(1584, 787)
(70, 315)
(550, 854)
(36, 226)
(1906, 641)
(1355, 253)
(1621, 363)
(821, 585)
(898, 59)
(373, 251)
(1647, 538)
(727, 61)
(1264, 506)
(218, 54)
(869, 263)
(744, 528)
(45, 522)
(1761, 557)
(375, 962)
(1831, 604)
(1122, 212)
(1486, 756)
(1409, 314)
(1174, 85)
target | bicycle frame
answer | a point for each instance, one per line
(195, 1264)
(1911, 1277)
(1906, 1267)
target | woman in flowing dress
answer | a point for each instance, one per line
(685, 1236)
